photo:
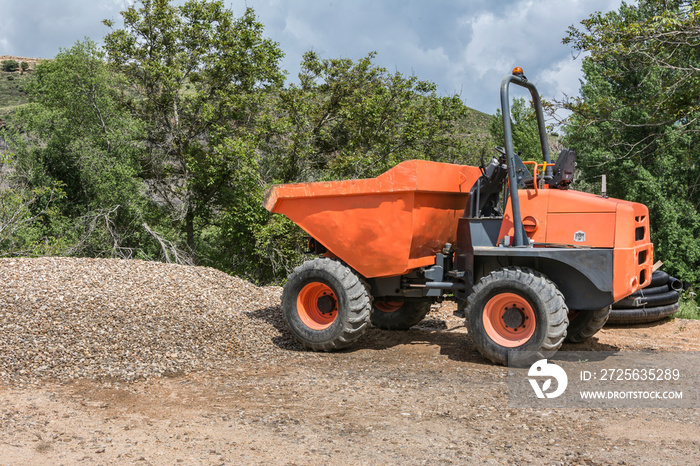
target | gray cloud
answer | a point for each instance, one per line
(464, 47)
(39, 28)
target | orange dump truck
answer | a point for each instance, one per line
(529, 266)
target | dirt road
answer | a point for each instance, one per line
(424, 396)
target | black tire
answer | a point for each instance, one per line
(326, 305)
(528, 293)
(584, 324)
(641, 315)
(400, 316)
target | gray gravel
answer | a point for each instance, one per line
(67, 318)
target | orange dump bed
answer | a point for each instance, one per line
(383, 226)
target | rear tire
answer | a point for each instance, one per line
(326, 305)
(513, 310)
(584, 324)
(389, 315)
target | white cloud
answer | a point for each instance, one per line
(563, 76)
(301, 31)
(487, 51)
(527, 33)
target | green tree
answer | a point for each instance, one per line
(24, 210)
(355, 120)
(84, 143)
(10, 66)
(24, 66)
(199, 77)
(526, 135)
(637, 119)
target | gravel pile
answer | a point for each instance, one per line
(66, 318)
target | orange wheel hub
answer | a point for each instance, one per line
(317, 306)
(509, 320)
(388, 306)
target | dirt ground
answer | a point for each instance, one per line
(424, 396)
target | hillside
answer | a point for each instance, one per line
(12, 93)
(477, 122)
(32, 61)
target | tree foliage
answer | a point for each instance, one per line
(9, 66)
(526, 135)
(25, 209)
(353, 119)
(637, 118)
(198, 79)
(88, 147)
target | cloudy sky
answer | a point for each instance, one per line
(464, 46)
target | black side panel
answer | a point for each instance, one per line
(584, 276)
(485, 230)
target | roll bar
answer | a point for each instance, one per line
(519, 80)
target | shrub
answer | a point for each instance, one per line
(689, 307)
(10, 65)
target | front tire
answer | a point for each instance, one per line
(515, 310)
(389, 315)
(326, 305)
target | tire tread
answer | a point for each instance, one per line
(553, 303)
(358, 297)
